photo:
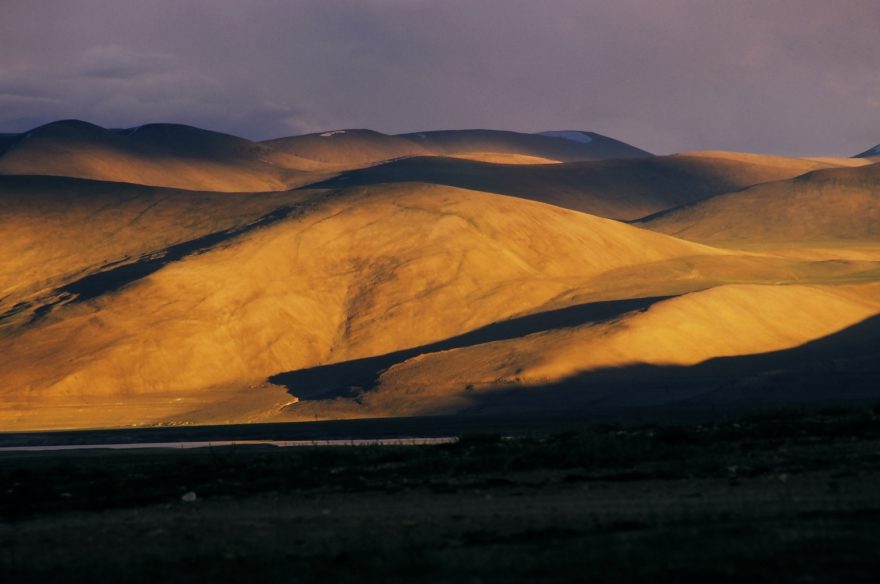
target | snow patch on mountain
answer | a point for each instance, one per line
(569, 135)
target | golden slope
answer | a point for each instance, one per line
(838, 161)
(772, 162)
(367, 272)
(722, 321)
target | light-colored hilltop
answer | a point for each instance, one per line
(364, 273)
(833, 161)
(626, 189)
(344, 149)
(503, 158)
(831, 206)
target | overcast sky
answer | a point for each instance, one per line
(788, 76)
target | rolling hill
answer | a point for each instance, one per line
(421, 263)
(822, 207)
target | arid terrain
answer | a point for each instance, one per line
(169, 275)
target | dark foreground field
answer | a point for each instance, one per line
(784, 496)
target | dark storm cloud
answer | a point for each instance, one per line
(790, 76)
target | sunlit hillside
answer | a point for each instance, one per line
(171, 275)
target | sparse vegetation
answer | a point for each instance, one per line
(783, 495)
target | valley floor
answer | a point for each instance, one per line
(780, 496)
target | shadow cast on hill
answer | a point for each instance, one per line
(117, 276)
(840, 367)
(349, 378)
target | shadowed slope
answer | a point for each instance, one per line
(870, 153)
(166, 155)
(619, 189)
(822, 206)
(842, 366)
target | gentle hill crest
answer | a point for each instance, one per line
(837, 204)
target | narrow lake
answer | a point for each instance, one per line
(216, 443)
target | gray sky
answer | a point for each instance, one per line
(788, 76)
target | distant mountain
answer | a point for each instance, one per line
(180, 156)
(870, 153)
(350, 148)
(554, 147)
